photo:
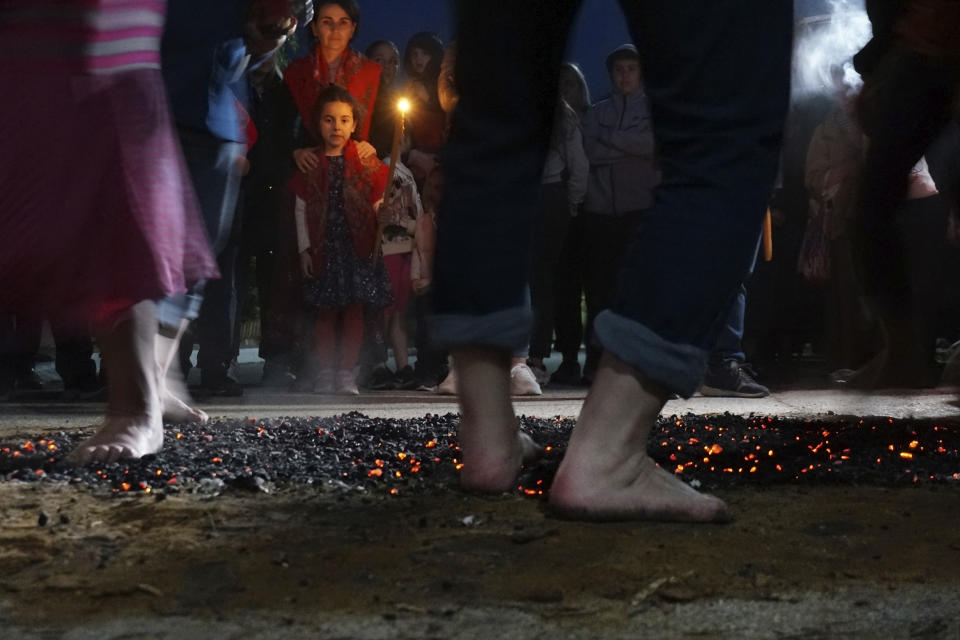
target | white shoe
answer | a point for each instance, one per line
(324, 381)
(347, 384)
(540, 373)
(523, 382)
(449, 385)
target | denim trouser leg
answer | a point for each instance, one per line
(492, 168)
(213, 171)
(718, 109)
(730, 340)
(729, 344)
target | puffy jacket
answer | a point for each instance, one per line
(618, 138)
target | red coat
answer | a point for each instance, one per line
(364, 182)
(306, 77)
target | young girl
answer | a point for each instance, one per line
(336, 223)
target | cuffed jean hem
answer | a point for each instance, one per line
(678, 367)
(508, 329)
(181, 306)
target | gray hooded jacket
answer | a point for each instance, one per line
(618, 138)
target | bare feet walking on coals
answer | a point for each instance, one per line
(607, 474)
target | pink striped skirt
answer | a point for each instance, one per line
(96, 205)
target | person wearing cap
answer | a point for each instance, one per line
(618, 138)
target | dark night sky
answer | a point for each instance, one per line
(599, 29)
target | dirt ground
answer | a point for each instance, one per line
(813, 562)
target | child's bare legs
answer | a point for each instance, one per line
(351, 340)
(133, 427)
(606, 472)
(324, 343)
(172, 389)
(397, 333)
(493, 446)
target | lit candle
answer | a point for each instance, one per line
(403, 105)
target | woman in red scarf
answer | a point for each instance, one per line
(332, 62)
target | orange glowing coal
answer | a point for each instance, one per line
(375, 473)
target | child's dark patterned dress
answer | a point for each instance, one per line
(347, 279)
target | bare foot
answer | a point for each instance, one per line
(488, 471)
(637, 490)
(176, 410)
(123, 437)
(606, 473)
(493, 446)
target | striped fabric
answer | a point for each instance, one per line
(81, 36)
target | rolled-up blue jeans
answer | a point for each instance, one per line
(717, 75)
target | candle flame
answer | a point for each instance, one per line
(403, 105)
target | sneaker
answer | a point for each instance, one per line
(449, 385)
(381, 379)
(29, 381)
(567, 374)
(85, 388)
(523, 382)
(404, 379)
(276, 375)
(220, 384)
(347, 384)
(324, 381)
(426, 384)
(732, 379)
(539, 371)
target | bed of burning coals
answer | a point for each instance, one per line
(353, 452)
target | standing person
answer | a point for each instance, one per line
(398, 220)
(113, 204)
(332, 62)
(431, 362)
(562, 190)
(385, 54)
(264, 201)
(911, 72)
(336, 221)
(20, 339)
(719, 110)
(568, 313)
(207, 49)
(426, 127)
(618, 137)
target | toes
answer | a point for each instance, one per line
(81, 456)
(529, 449)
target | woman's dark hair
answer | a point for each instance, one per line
(350, 7)
(336, 93)
(433, 45)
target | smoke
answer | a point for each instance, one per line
(824, 46)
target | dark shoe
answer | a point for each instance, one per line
(220, 384)
(732, 379)
(567, 374)
(276, 375)
(381, 379)
(85, 388)
(404, 379)
(29, 381)
(426, 383)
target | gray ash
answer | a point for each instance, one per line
(356, 452)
